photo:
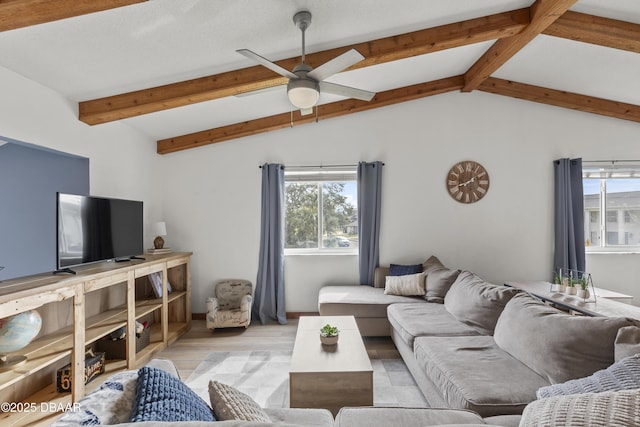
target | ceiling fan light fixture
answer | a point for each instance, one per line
(303, 93)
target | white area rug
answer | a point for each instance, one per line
(264, 375)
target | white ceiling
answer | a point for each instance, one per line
(166, 41)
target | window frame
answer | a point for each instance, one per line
(603, 171)
(319, 175)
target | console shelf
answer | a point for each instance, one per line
(77, 311)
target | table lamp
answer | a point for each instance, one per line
(159, 229)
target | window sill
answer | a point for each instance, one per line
(318, 252)
(630, 251)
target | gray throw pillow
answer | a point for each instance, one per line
(438, 283)
(229, 403)
(622, 375)
(431, 263)
(477, 303)
(556, 345)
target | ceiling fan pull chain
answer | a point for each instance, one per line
(291, 118)
(316, 113)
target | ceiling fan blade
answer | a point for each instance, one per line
(336, 65)
(259, 91)
(265, 62)
(349, 92)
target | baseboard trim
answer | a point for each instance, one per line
(297, 314)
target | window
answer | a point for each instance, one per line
(321, 209)
(614, 190)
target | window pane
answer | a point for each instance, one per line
(591, 188)
(301, 215)
(623, 209)
(339, 220)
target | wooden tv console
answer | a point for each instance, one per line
(77, 311)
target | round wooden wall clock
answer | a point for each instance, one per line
(467, 181)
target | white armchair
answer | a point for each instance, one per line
(231, 305)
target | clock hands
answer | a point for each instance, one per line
(464, 184)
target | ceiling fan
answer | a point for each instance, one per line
(305, 82)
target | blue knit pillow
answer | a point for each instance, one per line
(162, 397)
(404, 270)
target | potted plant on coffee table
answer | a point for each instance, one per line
(329, 335)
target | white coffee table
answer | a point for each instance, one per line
(329, 376)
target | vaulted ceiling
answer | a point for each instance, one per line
(169, 68)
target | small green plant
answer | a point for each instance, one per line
(557, 278)
(584, 285)
(329, 331)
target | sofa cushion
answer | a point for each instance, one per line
(608, 409)
(358, 301)
(407, 285)
(161, 396)
(403, 270)
(622, 375)
(416, 320)
(474, 373)
(556, 345)
(438, 283)
(477, 303)
(369, 416)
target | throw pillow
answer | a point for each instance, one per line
(561, 347)
(622, 375)
(430, 264)
(231, 404)
(108, 404)
(608, 409)
(627, 342)
(477, 303)
(408, 285)
(161, 396)
(438, 283)
(403, 270)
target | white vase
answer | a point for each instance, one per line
(571, 290)
(329, 340)
(583, 293)
(562, 288)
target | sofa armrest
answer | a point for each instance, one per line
(212, 310)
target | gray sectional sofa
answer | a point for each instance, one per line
(486, 348)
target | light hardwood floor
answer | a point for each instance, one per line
(192, 348)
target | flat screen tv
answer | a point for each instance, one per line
(92, 229)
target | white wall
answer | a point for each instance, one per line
(121, 160)
(210, 196)
(212, 193)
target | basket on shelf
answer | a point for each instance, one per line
(117, 349)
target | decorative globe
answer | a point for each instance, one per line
(18, 331)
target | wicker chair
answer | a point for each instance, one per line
(231, 305)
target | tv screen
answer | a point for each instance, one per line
(92, 229)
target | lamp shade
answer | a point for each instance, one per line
(159, 229)
(303, 93)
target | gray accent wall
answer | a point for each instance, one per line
(30, 176)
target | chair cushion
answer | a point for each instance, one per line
(476, 302)
(474, 373)
(417, 320)
(230, 292)
(358, 301)
(573, 346)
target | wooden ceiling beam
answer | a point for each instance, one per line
(596, 30)
(543, 13)
(325, 111)
(559, 98)
(230, 83)
(24, 13)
